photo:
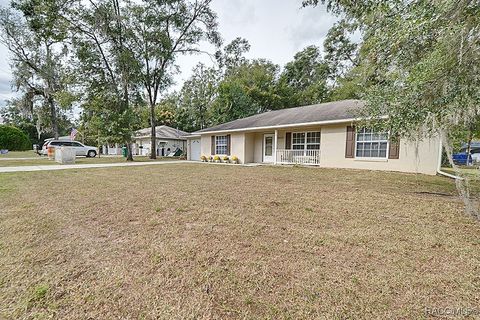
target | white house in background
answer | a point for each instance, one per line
(168, 140)
(324, 135)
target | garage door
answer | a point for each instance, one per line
(195, 149)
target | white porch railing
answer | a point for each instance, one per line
(298, 156)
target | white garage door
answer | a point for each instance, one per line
(195, 149)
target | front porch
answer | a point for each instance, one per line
(286, 147)
(303, 157)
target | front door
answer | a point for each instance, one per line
(268, 147)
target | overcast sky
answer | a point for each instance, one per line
(276, 30)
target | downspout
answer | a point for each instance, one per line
(439, 164)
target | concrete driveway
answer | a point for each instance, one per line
(86, 166)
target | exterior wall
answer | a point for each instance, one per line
(258, 148)
(249, 147)
(145, 142)
(237, 146)
(206, 141)
(421, 158)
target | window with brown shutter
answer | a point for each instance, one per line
(394, 149)
(350, 143)
(212, 146)
(288, 140)
(229, 144)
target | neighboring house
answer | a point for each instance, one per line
(168, 140)
(324, 135)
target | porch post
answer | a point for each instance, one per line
(275, 147)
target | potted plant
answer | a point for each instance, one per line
(225, 159)
(216, 158)
(234, 159)
(204, 158)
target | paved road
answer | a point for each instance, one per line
(87, 166)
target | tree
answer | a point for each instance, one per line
(160, 31)
(304, 80)
(13, 139)
(248, 89)
(32, 119)
(198, 94)
(34, 34)
(106, 68)
(424, 59)
(341, 53)
(233, 55)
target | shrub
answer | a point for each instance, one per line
(216, 158)
(203, 158)
(13, 139)
(225, 158)
(235, 159)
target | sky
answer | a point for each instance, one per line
(275, 29)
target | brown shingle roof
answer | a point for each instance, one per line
(337, 110)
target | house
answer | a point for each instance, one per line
(168, 140)
(323, 135)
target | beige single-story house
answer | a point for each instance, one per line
(168, 140)
(323, 135)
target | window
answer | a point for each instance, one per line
(298, 141)
(220, 144)
(306, 140)
(313, 140)
(371, 144)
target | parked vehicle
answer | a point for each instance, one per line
(460, 158)
(80, 148)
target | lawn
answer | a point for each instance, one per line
(197, 241)
(20, 154)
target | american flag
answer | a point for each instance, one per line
(73, 134)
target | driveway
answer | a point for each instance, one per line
(85, 166)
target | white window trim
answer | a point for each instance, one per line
(225, 145)
(378, 159)
(305, 144)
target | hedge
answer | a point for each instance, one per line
(13, 139)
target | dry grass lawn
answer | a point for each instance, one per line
(192, 241)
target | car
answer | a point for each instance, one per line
(80, 148)
(460, 158)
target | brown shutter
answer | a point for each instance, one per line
(350, 144)
(288, 140)
(394, 149)
(212, 148)
(229, 145)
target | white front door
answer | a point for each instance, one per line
(268, 147)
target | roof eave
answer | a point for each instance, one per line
(303, 124)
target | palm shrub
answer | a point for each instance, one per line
(14, 139)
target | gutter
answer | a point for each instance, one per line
(439, 165)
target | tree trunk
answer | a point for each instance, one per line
(129, 152)
(153, 133)
(469, 146)
(53, 116)
(462, 184)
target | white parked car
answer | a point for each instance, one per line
(80, 149)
